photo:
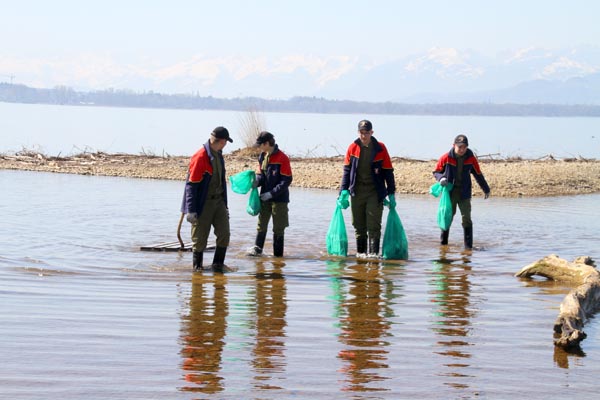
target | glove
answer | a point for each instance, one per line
(486, 196)
(255, 183)
(192, 217)
(391, 200)
(266, 196)
(444, 181)
(342, 199)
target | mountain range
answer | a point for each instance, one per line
(439, 75)
(570, 76)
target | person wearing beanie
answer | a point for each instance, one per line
(368, 177)
(205, 199)
(274, 177)
(456, 167)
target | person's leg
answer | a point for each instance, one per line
(454, 199)
(280, 222)
(261, 229)
(374, 215)
(358, 205)
(467, 223)
(200, 232)
(222, 232)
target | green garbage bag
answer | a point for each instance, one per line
(337, 239)
(242, 183)
(253, 207)
(395, 243)
(444, 213)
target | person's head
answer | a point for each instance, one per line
(365, 131)
(265, 141)
(219, 138)
(461, 143)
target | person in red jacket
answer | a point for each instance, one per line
(205, 199)
(368, 178)
(274, 177)
(456, 167)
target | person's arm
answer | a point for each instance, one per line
(388, 172)
(476, 171)
(346, 172)
(440, 168)
(285, 177)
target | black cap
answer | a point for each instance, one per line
(221, 133)
(365, 125)
(264, 137)
(461, 139)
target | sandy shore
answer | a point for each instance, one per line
(507, 178)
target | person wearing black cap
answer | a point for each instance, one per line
(205, 199)
(456, 167)
(274, 177)
(368, 178)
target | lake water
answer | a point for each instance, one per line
(70, 130)
(85, 314)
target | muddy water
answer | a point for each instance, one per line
(84, 314)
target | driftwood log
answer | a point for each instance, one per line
(579, 304)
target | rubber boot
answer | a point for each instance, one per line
(197, 260)
(373, 247)
(444, 237)
(278, 245)
(361, 245)
(219, 259)
(259, 243)
(468, 237)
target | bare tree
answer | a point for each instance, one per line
(251, 124)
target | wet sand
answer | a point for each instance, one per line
(507, 178)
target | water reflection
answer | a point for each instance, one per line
(270, 300)
(549, 287)
(363, 308)
(451, 293)
(203, 334)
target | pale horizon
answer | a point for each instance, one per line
(386, 51)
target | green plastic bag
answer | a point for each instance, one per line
(253, 207)
(242, 183)
(337, 239)
(444, 213)
(395, 243)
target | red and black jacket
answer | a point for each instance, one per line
(446, 167)
(197, 179)
(277, 177)
(381, 169)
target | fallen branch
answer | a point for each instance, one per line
(579, 304)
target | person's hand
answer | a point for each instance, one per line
(255, 182)
(486, 196)
(266, 196)
(444, 181)
(342, 199)
(192, 217)
(392, 200)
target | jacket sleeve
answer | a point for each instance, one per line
(193, 183)
(388, 171)
(285, 176)
(191, 193)
(476, 171)
(259, 173)
(346, 173)
(440, 168)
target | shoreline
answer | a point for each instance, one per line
(507, 178)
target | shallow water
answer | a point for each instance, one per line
(85, 314)
(54, 130)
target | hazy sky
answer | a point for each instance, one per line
(99, 38)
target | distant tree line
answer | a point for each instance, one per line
(63, 95)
